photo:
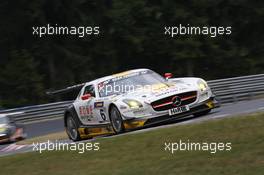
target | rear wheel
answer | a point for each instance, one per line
(198, 114)
(72, 129)
(116, 120)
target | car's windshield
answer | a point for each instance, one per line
(3, 120)
(129, 82)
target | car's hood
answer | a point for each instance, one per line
(155, 92)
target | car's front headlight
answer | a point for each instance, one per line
(133, 103)
(202, 85)
(3, 129)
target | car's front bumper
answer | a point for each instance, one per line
(10, 137)
(4, 138)
(197, 108)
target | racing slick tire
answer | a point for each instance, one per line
(116, 120)
(72, 128)
(198, 114)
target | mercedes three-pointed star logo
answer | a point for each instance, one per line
(176, 101)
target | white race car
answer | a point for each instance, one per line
(134, 99)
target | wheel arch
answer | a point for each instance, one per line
(71, 111)
(114, 105)
(110, 107)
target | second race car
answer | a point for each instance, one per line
(10, 131)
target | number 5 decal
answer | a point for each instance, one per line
(102, 114)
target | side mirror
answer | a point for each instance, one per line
(86, 96)
(168, 75)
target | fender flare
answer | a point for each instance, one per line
(71, 110)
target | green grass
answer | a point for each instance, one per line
(143, 153)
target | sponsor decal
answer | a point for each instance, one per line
(99, 104)
(86, 110)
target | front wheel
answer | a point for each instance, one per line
(116, 120)
(198, 114)
(72, 129)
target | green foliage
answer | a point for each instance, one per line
(132, 36)
(20, 81)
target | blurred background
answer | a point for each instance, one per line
(131, 36)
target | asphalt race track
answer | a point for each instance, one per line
(52, 126)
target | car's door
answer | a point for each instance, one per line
(84, 105)
(90, 109)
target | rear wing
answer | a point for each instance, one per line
(69, 89)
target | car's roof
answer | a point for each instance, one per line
(96, 81)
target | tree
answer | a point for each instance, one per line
(21, 84)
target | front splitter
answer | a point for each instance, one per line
(141, 122)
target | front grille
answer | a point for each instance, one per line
(166, 103)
